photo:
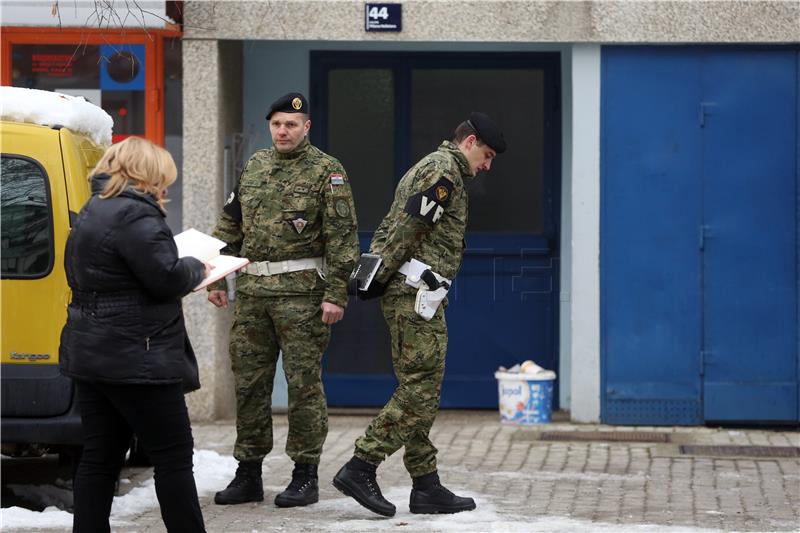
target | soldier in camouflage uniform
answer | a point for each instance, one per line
(293, 216)
(426, 222)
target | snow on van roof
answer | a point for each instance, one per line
(47, 108)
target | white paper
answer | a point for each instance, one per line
(197, 244)
(193, 243)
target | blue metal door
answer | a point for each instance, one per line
(379, 113)
(749, 235)
(650, 212)
(699, 238)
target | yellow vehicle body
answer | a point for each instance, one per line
(44, 184)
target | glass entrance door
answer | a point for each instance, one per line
(379, 113)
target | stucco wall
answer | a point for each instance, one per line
(509, 21)
(212, 110)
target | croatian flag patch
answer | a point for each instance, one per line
(337, 179)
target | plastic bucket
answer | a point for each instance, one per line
(524, 399)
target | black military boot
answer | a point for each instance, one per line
(429, 496)
(302, 490)
(245, 487)
(357, 480)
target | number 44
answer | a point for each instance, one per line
(379, 12)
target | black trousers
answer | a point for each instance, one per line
(110, 414)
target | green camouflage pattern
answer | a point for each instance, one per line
(401, 236)
(418, 346)
(261, 328)
(292, 208)
(294, 205)
(418, 354)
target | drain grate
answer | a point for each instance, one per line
(613, 436)
(739, 451)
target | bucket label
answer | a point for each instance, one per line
(525, 402)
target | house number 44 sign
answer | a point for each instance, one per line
(383, 17)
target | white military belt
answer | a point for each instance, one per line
(273, 268)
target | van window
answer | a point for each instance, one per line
(26, 237)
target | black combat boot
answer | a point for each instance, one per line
(428, 496)
(302, 490)
(245, 487)
(357, 480)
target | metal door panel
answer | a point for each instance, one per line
(503, 305)
(650, 318)
(699, 234)
(750, 235)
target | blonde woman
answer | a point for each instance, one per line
(125, 343)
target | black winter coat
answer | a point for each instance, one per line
(125, 322)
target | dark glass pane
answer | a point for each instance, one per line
(55, 66)
(361, 136)
(509, 198)
(173, 126)
(26, 248)
(127, 110)
(173, 87)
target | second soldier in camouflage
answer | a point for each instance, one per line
(426, 222)
(293, 216)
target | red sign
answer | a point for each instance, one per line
(55, 65)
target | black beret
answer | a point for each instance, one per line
(289, 103)
(487, 131)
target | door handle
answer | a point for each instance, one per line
(704, 111)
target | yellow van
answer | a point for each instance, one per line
(44, 184)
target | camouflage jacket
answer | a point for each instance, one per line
(428, 217)
(293, 205)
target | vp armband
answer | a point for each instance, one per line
(429, 205)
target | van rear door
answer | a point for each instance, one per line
(34, 228)
(80, 157)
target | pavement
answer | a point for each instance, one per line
(593, 481)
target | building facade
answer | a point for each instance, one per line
(629, 239)
(639, 237)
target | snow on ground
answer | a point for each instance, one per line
(213, 471)
(344, 514)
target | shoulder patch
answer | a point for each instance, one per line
(336, 179)
(341, 207)
(429, 205)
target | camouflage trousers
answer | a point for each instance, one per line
(418, 352)
(264, 326)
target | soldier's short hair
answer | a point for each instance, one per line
(463, 131)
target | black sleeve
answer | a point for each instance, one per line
(232, 207)
(147, 246)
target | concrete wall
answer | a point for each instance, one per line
(584, 322)
(599, 21)
(212, 111)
